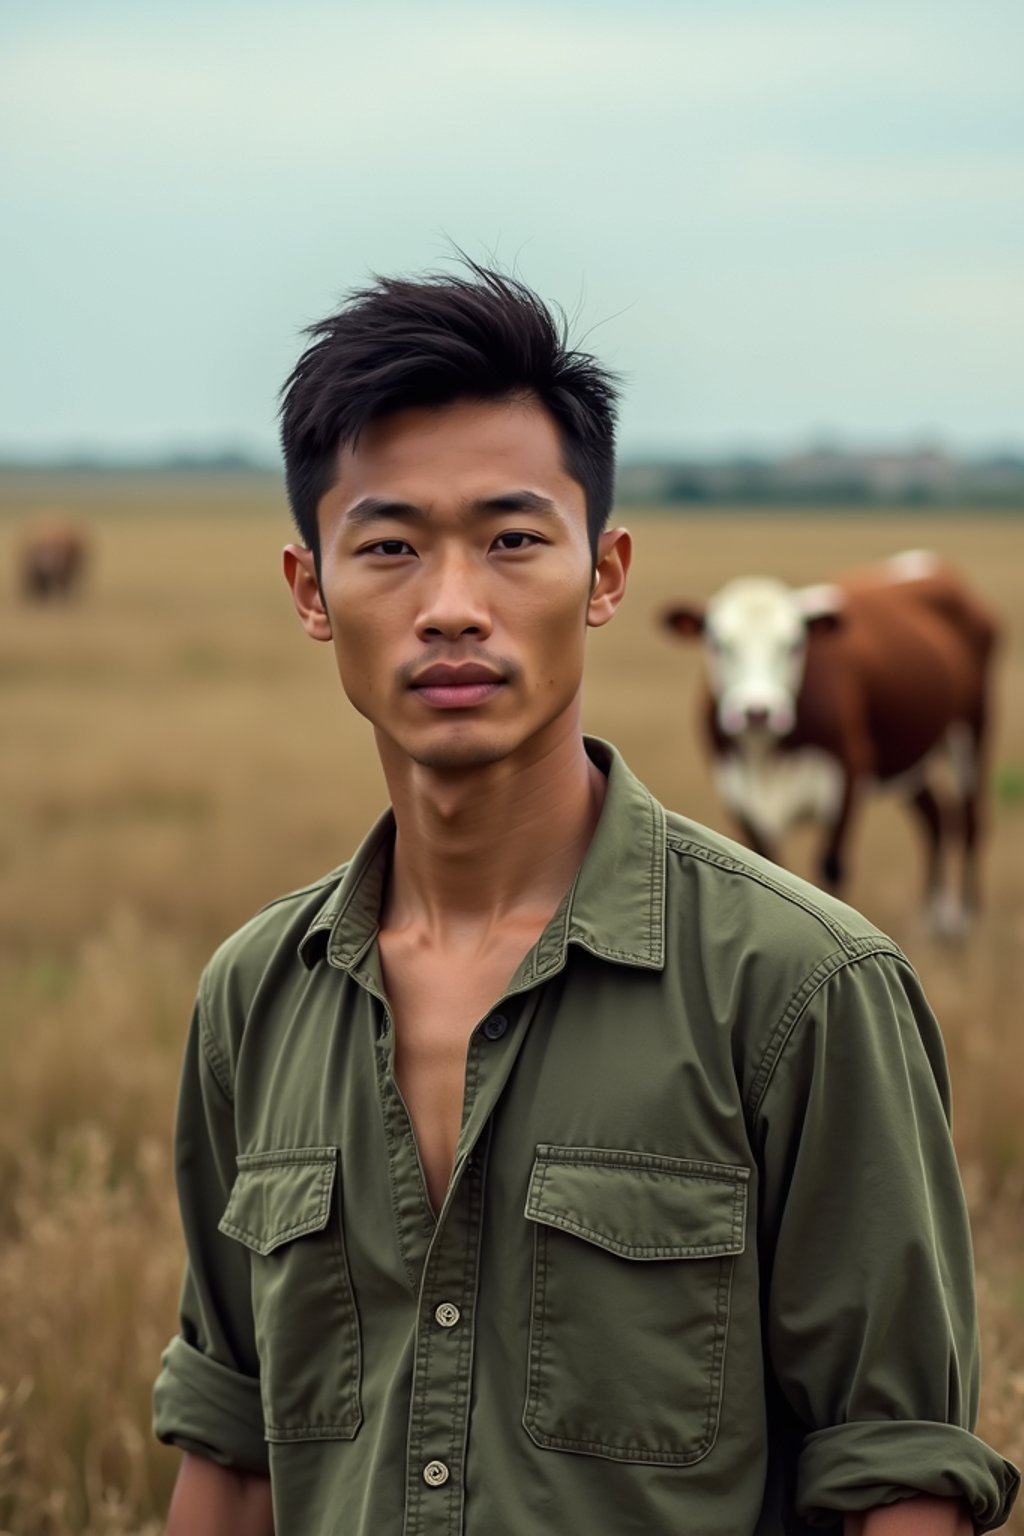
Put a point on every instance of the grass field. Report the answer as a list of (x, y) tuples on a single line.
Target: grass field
[(175, 752)]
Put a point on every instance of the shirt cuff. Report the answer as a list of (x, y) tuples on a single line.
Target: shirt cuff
[(203, 1406), (853, 1467)]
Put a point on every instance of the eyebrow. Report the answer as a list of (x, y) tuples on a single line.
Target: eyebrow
[(374, 509)]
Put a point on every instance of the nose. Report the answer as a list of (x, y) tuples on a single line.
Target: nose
[(757, 715), (454, 603)]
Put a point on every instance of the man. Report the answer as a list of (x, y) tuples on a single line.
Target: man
[(555, 1165)]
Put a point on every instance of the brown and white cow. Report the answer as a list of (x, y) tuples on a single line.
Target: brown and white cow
[(52, 559), (817, 693)]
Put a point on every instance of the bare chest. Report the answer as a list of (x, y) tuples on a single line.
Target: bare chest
[(436, 1004)]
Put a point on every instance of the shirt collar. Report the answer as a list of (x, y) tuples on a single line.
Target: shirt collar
[(615, 907)]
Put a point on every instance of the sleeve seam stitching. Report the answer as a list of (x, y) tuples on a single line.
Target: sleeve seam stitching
[(212, 1052), (840, 934), (780, 1036)]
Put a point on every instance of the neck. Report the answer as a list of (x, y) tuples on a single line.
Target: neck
[(475, 847)]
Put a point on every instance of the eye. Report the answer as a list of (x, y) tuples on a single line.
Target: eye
[(388, 547), (514, 540)]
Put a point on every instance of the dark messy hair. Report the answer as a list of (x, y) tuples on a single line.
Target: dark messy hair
[(429, 341)]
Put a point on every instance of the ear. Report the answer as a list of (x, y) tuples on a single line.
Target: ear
[(820, 607), (300, 574), (614, 553), (685, 620)]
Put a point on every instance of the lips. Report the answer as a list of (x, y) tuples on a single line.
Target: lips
[(448, 685), (448, 674)]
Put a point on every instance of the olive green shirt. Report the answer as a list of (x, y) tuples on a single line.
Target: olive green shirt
[(703, 1265)]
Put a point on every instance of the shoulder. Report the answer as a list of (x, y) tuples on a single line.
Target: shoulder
[(763, 941), (271, 936), (265, 951), (723, 876)]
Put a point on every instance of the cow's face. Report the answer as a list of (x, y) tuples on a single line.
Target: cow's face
[(755, 641)]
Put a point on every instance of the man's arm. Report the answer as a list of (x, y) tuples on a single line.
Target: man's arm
[(207, 1396), (871, 1323), (211, 1500), (912, 1517)]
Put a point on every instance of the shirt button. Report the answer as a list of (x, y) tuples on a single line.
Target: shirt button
[(435, 1474), (495, 1026), (447, 1314)]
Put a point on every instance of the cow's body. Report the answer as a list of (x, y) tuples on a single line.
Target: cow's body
[(52, 560), (887, 671)]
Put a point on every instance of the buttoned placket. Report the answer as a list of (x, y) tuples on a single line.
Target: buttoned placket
[(442, 1257), (448, 1294)]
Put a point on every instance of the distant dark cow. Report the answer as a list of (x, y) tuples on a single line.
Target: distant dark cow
[(52, 561), (817, 693)]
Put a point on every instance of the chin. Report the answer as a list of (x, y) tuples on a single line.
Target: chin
[(459, 752)]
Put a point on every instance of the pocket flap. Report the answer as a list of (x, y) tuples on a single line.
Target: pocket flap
[(278, 1196), (638, 1205)]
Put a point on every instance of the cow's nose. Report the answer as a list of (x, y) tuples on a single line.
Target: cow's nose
[(757, 715)]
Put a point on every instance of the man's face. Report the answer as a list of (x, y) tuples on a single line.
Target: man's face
[(457, 580)]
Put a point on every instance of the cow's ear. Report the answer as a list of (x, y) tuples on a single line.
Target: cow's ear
[(821, 608), (685, 619)]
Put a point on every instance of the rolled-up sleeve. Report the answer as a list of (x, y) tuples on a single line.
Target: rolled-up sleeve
[(207, 1395), (871, 1322)]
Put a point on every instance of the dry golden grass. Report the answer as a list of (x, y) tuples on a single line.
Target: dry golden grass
[(175, 753)]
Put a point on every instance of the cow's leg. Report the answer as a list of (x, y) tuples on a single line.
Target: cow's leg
[(737, 781), (968, 752), (755, 840), (832, 861), (943, 914)]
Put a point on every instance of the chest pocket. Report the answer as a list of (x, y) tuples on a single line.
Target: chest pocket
[(284, 1209), (633, 1261)]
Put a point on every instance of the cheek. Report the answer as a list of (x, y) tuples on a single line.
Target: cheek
[(558, 605), (554, 631), (360, 647)]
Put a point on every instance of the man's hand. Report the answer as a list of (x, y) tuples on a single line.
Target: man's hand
[(912, 1517), (210, 1500)]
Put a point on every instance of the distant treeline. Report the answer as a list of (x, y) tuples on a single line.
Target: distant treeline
[(828, 477), (228, 462), (926, 478)]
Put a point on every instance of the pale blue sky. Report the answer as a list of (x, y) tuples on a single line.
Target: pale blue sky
[(777, 219)]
